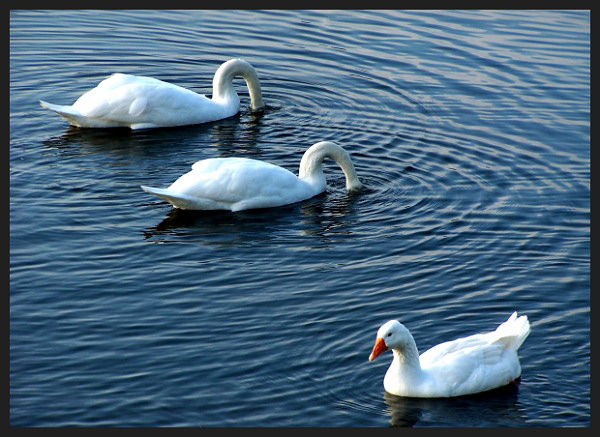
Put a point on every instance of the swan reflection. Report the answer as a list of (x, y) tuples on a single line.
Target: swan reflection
[(234, 135), (322, 216)]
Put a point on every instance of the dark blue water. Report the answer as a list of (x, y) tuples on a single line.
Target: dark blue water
[(471, 132)]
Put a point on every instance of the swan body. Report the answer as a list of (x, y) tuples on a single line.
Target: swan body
[(468, 365), (238, 184), (138, 102)]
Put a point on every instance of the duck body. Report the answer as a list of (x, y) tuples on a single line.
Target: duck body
[(238, 184), (468, 365), (139, 102)]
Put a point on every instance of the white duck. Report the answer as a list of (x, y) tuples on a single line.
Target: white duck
[(138, 102), (464, 366), (237, 184)]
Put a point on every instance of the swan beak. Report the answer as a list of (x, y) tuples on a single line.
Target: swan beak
[(378, 348)]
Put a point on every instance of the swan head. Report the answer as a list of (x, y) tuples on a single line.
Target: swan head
[(391, 335)]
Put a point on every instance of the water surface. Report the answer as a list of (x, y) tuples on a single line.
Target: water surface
[(471, 133)]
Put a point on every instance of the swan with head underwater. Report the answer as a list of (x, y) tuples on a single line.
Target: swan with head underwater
[(139, 102), (238, 184), (468, 365)]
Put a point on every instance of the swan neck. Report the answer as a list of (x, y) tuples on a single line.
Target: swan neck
[(223, 82), (311, 169)]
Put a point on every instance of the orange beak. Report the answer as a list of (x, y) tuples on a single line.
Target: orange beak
[(378, 348)]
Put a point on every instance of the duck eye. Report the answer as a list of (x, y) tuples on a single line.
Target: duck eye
[(389, 334)]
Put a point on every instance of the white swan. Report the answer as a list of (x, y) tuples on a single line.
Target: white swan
[(464, 366), (138, 102), (240, 183)]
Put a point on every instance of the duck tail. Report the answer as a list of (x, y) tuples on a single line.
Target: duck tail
[(514, 331)]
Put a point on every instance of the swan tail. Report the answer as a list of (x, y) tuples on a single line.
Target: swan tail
[(183, 201), (69, 113), (514, 331), (174, 199), (65, 111)]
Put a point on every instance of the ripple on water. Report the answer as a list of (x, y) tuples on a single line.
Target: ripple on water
[(470, 132)]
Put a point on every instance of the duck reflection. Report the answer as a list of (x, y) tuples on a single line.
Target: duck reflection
[(497, 407)]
